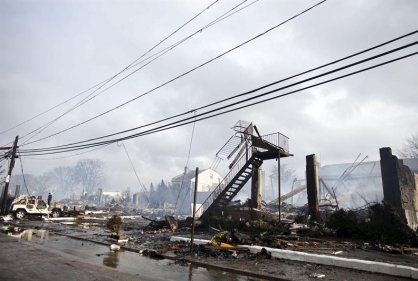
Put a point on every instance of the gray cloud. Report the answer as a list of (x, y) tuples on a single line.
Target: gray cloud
[(51, 50)]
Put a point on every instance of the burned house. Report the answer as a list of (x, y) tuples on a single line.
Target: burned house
[(356, 184), (390, 180)]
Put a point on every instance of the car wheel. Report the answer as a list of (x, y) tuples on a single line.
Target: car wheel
[(20, 214), (56, 213)]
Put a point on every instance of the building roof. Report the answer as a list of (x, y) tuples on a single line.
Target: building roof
[(189, 175), (365, 169), (112, 193)]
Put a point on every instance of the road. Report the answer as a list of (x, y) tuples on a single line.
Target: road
[(21, 261)]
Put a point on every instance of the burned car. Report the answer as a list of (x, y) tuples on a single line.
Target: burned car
[(29, 205), (61, 209)]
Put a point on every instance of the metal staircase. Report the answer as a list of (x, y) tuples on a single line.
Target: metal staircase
[(237, 177), (250, 152)]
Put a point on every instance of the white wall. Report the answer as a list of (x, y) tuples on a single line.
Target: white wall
[(208, 179)]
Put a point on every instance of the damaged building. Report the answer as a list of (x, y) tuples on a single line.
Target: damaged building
[(391, 180), (356, 184)]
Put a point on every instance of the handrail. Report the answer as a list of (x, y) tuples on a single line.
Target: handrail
[(277, 139), (226, 180), (229, 147)]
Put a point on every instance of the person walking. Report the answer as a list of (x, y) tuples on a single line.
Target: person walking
[(49, 198)]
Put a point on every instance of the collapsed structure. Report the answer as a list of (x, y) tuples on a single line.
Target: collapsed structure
[(398, 181)]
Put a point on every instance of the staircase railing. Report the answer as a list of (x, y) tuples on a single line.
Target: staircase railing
[(277, 139), (226, 180)]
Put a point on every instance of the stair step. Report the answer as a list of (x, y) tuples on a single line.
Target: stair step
[(235, 185)]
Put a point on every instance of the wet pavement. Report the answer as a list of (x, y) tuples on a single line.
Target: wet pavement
[(55, 252), (191, 267), (21, 261)]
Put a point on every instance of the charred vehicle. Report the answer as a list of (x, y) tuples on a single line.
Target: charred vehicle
[(29, 205), (60, 209)]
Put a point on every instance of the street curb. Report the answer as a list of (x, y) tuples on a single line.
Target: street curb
[(363, 265)]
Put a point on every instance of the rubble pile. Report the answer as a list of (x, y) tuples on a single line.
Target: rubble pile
[(382, 225)]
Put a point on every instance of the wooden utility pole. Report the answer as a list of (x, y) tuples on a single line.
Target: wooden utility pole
[(255, 201), (312, 185), (9, 174), (194, 208)]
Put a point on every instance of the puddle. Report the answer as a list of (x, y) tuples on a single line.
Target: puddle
[(125, 261), (39, 235)]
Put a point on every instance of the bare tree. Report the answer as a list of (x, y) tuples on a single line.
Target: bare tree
[(89, 173), (410, 149), (62, 180)]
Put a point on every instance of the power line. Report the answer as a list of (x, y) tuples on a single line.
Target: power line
[(159, 54), (220, 18), (160, 128), (141, 185), (69, 156), (262, 87), (269, 99), (72, 145), (23, 174), (185, 121), (48, 110), (185, 169), (183, 74), (104, 82), (156, 56)]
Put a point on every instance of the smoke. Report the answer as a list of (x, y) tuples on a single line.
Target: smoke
[(353, 189)]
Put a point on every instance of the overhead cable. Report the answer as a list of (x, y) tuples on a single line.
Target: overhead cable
[(186, 166), (245, 100), (212, 112), (104, 82), (252, 91), (141, 185), (181, 75), (147, 61)]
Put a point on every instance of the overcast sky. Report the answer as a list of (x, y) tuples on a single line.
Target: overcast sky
[(53, 50)]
